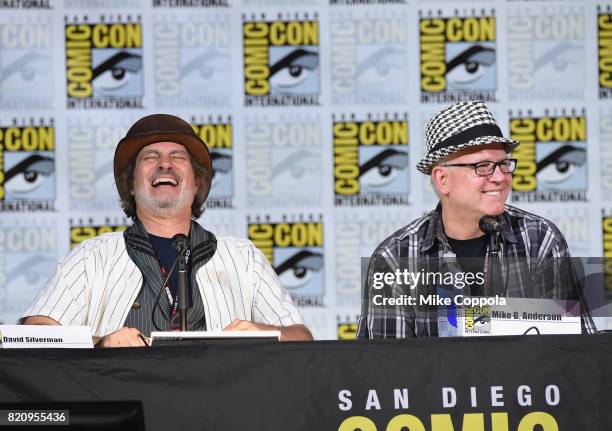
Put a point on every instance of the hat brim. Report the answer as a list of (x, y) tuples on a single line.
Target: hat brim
[(427, 162), (128, 148)]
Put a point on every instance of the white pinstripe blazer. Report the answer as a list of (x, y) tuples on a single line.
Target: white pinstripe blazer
[(97, 283)]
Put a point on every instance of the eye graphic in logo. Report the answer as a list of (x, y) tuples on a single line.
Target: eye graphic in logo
[(382, 170), (221, 167), (381, 66), (481, 320), (207, 69), (471, 68), (561, 165), (297, 270), (294, 72), (24, 72), (117, 74), (559, 62), (298, 168), (28, 175)]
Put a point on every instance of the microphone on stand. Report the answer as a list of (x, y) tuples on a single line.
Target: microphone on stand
[(180, 243), (491, 226)]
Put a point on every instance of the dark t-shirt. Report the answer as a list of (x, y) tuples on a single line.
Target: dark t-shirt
[(167, 254), (470, 255)]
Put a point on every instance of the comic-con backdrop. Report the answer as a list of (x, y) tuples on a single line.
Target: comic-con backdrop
[(313, 111)]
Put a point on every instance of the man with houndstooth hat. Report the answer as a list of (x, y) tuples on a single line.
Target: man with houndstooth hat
[(469, 161)]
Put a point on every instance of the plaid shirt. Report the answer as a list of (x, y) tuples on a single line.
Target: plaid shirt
[(535, 263)]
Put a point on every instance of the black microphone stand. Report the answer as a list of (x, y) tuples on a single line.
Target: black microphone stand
[(182, 287), (494, 282), (493, 279)]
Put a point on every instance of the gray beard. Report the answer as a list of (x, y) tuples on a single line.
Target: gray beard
[(163, 207)]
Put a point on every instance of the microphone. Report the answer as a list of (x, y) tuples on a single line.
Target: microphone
[(490, 225), (180, 243)]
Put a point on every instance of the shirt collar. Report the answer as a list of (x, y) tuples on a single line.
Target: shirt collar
[(507, 232), (435, 230)]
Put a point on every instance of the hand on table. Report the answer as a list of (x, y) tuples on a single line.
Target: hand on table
[(124, 337)]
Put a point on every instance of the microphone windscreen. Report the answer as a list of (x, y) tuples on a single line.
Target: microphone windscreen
[(489, 224), (180, 242)]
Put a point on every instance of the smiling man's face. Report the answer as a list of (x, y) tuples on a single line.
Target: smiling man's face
[(164, 182), (473, 195)]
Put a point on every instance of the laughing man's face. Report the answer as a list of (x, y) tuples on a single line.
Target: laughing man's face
[(164, 182)]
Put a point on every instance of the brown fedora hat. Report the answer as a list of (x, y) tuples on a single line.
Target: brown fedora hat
[(159, 128)]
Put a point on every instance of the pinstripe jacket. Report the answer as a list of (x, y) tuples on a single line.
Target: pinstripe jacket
[(97, 283), (535, 263)]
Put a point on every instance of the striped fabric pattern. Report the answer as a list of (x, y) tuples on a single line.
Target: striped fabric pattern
[(203, 246), (97, 283), (528, 244)]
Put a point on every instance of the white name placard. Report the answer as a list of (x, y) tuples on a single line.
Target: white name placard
[(42, 336), (511, 316)]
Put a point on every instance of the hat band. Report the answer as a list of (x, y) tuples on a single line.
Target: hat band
[(466, 135)]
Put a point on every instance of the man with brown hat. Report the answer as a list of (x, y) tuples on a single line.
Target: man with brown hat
[(115, 282), (471, 231)]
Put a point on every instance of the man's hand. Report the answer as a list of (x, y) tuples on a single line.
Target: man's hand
[(246, 325), (124, 337), (288, 333)]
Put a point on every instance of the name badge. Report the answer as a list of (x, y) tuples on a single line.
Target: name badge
[(42, 336)]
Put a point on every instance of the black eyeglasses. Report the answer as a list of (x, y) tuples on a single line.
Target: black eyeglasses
[(487, 167)]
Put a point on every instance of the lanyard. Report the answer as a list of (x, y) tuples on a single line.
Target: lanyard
[(173, 300)]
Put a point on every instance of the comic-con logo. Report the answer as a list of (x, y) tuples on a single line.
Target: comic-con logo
[(284, 161), (551, 159), (218, 137), (26, 65), (81, 231), (371, 160), (104, 63), (355, 240), (369, 60), (91, 145), (546, 56), (295, 250), (458, 58), (604, 39), (27, 260), (192, 61), (27, 166), (477, 320), (281, 61), (607, 253)]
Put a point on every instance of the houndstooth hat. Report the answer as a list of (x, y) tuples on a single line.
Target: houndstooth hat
[(462, 125)]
